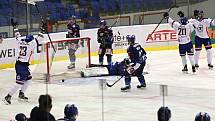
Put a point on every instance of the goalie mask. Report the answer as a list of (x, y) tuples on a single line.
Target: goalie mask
[(70, 111), (164, 114), (29, 38), (131, 39), (202, 116)]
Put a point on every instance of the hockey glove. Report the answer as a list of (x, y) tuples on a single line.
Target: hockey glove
[(180, 13), (44, 27), (14, 23), (132, 68), (166, 15)]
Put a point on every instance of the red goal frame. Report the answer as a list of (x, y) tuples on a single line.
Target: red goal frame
[(65, 40)]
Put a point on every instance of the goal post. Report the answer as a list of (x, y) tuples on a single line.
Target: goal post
[(53, 65)]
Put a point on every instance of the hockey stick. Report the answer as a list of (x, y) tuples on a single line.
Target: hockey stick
[(43, 22), (161, 21), (110, 85)]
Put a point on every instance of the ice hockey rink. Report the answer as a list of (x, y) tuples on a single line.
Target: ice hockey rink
[(187, 93)]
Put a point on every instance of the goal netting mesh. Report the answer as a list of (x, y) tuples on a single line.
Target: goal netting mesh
[(53, 65)]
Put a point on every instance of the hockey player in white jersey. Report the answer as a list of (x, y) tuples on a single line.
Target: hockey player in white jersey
[(25, 49), (201, 36), (184, 30)]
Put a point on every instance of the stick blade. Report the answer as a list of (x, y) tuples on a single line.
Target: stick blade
[(109, 85)]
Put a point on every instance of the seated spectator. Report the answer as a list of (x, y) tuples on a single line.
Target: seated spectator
[(164, 114), (42, 113), (20, 117), (202, 116), (70, 113)]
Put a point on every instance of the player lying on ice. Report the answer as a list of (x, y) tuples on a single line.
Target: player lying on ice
[(128, 67)]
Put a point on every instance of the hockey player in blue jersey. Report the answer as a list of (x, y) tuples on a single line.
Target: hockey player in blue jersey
[(137, 57), (73, 32), (70, 113), (105, 38)]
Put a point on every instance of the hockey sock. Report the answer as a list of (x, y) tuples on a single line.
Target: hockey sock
[(127, 80), (25, 86), (184, 60), (209, 56), (141, 79), (14, 89), (196, 56), (109, 59), (72, 55), (191, 58), (101, 58)]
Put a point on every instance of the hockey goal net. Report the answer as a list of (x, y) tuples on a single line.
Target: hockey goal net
[(53, 65)]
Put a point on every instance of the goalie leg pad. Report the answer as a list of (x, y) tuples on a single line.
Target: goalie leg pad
[(72, 56)]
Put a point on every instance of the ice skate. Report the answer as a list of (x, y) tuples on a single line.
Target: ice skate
[(142, 86), (7, 99), (22, 96), (194, 69), (126, 88), (71, 66), (185, 70), (210, 66), (197, 66)]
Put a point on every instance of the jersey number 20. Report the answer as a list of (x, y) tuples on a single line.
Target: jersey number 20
[(182, 31), (23, 50)]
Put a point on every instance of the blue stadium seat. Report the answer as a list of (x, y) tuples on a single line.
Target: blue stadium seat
[(83, 2), (3, 21)]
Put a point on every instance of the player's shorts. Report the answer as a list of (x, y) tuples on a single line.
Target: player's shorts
[(22, 72), (186, 48), (199, 41), (105, 49)]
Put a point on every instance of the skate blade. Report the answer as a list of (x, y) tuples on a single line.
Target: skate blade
[(142, 88), (23, 100), (210, 68), (5, 102), (185, 72), (126, 90)]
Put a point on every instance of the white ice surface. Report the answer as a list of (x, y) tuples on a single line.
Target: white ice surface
[(187, 93)]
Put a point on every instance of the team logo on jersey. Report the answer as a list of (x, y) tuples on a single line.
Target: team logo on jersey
[(200, 28), (162, 36)]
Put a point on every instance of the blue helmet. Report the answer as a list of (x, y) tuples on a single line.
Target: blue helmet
[(164, 114), (20, 117), (202, 116), (131, 38), (70, 111), (184, 20), (103, 22), (29, 38)]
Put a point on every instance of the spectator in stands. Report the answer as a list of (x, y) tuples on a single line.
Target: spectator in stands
[(164, 114), (202, 116), (42, 113), (20, 117), (70, 113)]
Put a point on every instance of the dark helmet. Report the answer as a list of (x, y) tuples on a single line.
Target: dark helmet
[(29, 38), (202, 116), (196, 13), (184, 20), (131, 38), (20, 117), (164, 114), (103, 22), (70, 111)]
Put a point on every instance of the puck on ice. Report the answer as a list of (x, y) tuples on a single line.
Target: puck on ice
[(62, 80)]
